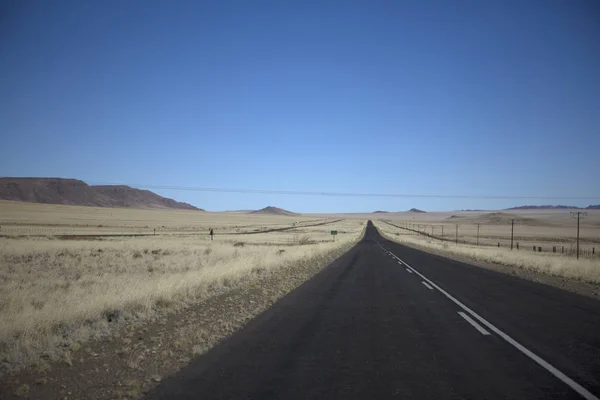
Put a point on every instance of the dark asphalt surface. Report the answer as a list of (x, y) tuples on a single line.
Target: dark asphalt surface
[(366, 328)]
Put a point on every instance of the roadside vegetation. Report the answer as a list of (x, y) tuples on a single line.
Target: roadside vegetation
[(587, 270), (56, 294)]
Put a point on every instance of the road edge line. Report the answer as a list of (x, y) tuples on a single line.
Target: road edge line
[(475, 324), (583, 392)]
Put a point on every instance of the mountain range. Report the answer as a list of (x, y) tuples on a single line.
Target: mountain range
[(558, 207), (76, 192)]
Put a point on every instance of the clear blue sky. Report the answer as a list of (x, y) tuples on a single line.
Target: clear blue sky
[(422, 97)]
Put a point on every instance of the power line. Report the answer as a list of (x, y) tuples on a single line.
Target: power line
[(345, 194)]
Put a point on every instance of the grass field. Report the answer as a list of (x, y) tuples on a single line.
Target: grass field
[(18, 218), (58, 292), (587, 270)]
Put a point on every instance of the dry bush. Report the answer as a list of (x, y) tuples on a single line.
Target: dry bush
[(305, 239)]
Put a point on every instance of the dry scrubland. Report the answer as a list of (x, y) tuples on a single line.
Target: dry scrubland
[(51, 219), (553, 264), (56, 294)]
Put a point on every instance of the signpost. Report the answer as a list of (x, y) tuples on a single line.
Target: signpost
[(334, 234)]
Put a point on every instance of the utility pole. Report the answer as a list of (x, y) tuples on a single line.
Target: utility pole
[(578, 213), (512, 232), (478, 234), (456, 233)]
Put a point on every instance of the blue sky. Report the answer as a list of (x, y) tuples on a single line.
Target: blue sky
[(446, 98)]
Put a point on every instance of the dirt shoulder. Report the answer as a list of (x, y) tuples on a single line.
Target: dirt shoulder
[(579, 287), (131, 362)]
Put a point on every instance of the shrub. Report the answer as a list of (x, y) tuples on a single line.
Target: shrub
[(304, 240)]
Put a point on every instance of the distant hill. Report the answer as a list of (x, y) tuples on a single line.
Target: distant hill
[(380, 212), (559, 207), (79, 193), (500, 218), (274, 211), (416, 210), (546, 207)]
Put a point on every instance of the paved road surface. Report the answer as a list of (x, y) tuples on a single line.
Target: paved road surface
[(413, 327)]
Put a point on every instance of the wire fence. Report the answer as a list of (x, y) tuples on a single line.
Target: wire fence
[(124, 231), (453, 236), (33, 231)]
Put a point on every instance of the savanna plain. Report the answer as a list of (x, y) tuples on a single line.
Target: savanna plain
[(69, 274), (78, 285)]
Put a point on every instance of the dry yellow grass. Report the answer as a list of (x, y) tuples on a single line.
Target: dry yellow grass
[(548, 263), (18, 218), (55, 293)]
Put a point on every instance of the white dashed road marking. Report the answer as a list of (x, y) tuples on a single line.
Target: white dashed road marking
[(475, 324), (583, 392)]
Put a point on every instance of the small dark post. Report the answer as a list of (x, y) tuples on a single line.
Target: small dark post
[(517, 245), (578, 213), (456, 233), (593, 250), (539, 249), (442, 232), (533, 248), (554, 249), (512, 233), (478, 234), (563, 249), (498, 244), (155, 231)]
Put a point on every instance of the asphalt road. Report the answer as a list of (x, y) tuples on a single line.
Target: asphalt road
[(388, 321)]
